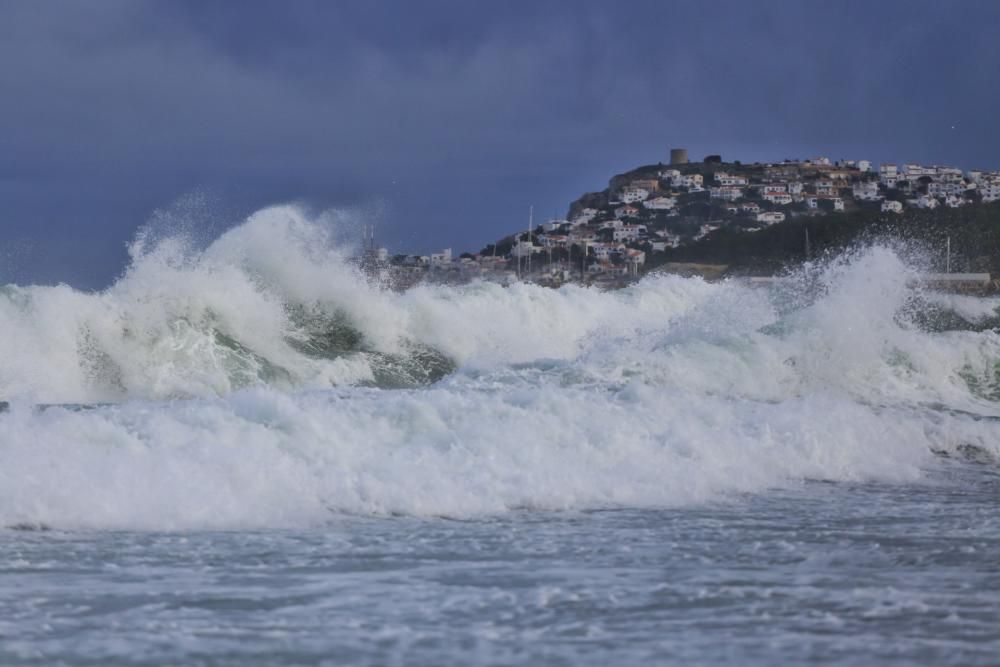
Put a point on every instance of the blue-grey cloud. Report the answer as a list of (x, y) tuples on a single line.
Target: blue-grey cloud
[(450, 116)]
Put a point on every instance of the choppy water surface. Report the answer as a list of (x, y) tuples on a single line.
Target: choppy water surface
[(246, 454), (843, 574)]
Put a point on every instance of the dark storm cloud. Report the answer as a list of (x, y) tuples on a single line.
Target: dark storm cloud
[(451, 116)]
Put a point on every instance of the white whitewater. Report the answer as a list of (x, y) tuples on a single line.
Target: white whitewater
[(246, 382)]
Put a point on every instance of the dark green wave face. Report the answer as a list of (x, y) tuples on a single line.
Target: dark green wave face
[(333, 336), (312, 336)]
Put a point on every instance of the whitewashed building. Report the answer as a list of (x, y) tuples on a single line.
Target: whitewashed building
[(888, 175), (690, 181), (441, 259), (828, 188), (660, 203), (866, 191), (726, 179), (771, 217), (727, 193), (889, 206), (633, 195), (776, 196), (627, 211)]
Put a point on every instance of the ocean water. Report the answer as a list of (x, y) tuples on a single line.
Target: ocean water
[(243, 453)]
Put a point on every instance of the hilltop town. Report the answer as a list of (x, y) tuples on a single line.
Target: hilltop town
[(649, 214)]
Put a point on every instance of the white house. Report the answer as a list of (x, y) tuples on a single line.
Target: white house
[(924, 201), (633, 195), (666, 240), (553, 240), (554, 225), (725, 179), (605, 251), (635, 257), (524, 249), (770, 217), (889, 206), (776, 196), (751, 207), (582, 237), (727, 193), (866, 191), (626, 211), (660, 203), (629, 233), (826, 188), (690, 181), (585, 216), (864, 165), (990, 190), (888, 174), (440, 259)]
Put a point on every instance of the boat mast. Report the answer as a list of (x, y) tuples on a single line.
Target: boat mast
[(531, 216)]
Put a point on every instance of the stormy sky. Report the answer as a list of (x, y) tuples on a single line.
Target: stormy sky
[(442, 121)]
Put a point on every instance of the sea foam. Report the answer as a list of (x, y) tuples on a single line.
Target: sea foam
[(246, 388)]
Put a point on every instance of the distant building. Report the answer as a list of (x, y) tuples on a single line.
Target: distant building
[(627, 211), (690, 181), (889, 206), (770, 217), (888, 174), (660, 203), (629, 233), (727, 193), (866, 191), (725, 179), (990, 190), (924, 201), (548, 241), (441, 259), (524, 249), (828, 188), (633, 195), (776, 196), (649, 184)]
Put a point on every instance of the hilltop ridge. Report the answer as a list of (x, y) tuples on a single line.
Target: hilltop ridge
[(752, 218)]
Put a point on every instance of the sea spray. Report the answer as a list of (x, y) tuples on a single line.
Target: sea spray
[(250, 387)]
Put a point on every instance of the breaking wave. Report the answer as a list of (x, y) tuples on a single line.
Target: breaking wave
[(260, 381)]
